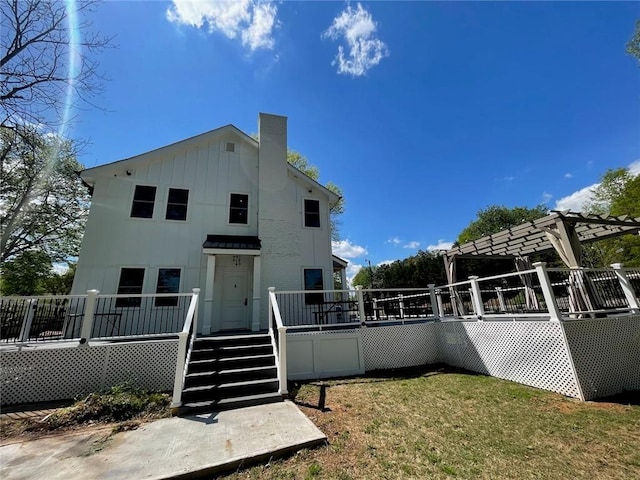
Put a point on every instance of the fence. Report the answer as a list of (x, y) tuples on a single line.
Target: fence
[(539, 293), (91, 316)]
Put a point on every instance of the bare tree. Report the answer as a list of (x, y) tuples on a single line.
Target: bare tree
[(47, 50)]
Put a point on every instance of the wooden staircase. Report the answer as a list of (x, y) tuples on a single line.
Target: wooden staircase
[(231, 371)]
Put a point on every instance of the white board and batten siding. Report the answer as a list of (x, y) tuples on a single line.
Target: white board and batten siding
[(205, 167)]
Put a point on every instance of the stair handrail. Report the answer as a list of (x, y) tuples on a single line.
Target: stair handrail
[(279, 340), (186, 338)]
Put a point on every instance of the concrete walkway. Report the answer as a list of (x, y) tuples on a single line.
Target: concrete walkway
[(178, 447)]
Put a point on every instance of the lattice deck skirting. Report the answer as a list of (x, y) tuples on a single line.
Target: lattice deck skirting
[(584, 359), (44, 374)]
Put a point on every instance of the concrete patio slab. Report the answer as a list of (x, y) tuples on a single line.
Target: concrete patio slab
[(179, 447)]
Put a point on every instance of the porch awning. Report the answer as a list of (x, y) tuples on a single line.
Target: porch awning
[(232, 242)]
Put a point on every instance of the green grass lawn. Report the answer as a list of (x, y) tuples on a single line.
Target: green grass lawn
[(443, 424)]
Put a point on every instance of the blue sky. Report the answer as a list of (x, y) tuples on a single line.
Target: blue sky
[(423, 112)]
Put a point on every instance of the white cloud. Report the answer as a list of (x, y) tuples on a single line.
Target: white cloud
[(577, 200), (251, 21), (357, 28), (352, 271), (568, 175), (441, 245), (394, 240), (413, 245), (345, 249), (385, 262), (546, 196)]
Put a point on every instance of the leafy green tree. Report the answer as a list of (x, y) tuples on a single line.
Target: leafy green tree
[(497, 218), (364, 277), (633, 47), (43, 204), (26, 274), (618, 194)]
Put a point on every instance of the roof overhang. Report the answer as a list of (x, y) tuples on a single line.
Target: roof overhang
[(339, 263), (231, 245)]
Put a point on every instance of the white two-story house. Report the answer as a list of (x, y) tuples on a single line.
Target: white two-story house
[(220, 211)]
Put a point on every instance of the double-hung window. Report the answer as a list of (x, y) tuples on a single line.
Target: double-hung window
[(168, 282), (177, 203), (238, 208), (144, 199), (131, 280), (311, 213), (313, 281)]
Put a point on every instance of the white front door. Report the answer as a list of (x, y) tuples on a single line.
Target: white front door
[(235, 300)]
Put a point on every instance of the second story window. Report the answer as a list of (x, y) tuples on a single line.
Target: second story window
[(238, 208), (143, 201), (312, 213), (177, 203)]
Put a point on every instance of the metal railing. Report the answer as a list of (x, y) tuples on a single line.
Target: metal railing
[(40, 319), (539, 293), (91, 316)]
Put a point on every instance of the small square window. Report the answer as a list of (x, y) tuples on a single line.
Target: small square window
[(131, 280), (238, 208), (168, 282), (143, 200), (177, 204), (313, 281), (312, 213), (231, 147)]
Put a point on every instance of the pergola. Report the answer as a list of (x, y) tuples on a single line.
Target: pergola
[(564, 232)]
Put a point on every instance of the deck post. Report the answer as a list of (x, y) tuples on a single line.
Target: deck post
[(434, 301), (547, 291), (360, 304), (401, 301), (500, 293), (627, 288), (476, 296), (28, 319), (87, 321)]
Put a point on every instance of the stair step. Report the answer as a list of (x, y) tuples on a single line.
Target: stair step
[(249, 361), (212, 377), (231, 351), (228, 404), (230, 390), (230, 340)]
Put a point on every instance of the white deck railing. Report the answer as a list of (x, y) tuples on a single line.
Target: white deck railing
[(536, 294), (278, 333), (92, 317)]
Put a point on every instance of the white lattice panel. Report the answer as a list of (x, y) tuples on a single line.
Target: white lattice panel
[(532, 353), (399, 346), (606, 354), (45, 374)]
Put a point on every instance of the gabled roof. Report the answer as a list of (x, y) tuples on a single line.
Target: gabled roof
[(130, 162), (532, 237), (333, 198)]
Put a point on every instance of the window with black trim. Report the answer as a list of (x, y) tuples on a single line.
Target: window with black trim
[(168, 282), (177, 202), (313, 281), (238, 208), (312, 213), (131, 280), (143, 200)]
